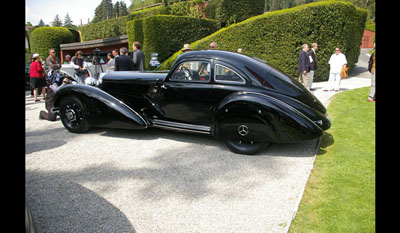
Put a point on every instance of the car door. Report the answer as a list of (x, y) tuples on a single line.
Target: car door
[(227, 80), (185, 95)]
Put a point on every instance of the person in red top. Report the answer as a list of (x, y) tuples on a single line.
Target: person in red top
[(36, 74)]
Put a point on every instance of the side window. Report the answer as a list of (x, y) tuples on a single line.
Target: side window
[(224, 74), (196, 71)]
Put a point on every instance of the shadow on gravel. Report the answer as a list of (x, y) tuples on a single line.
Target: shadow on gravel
[(275, 149), (45, 139), (61, 205)]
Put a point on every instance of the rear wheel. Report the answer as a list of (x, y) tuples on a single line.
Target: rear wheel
[(245, 147), (72, 114), (243, 135)]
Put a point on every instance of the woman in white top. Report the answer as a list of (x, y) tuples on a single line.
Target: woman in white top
[(337, 61)]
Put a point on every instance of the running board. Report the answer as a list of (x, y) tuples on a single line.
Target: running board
[(181, 126)]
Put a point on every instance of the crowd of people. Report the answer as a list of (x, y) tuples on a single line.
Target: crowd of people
[(307, 64)]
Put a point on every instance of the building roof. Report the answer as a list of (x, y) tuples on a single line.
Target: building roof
[(95, 43)]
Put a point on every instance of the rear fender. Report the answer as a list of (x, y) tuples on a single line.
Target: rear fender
[(284, 123), (103, 109)]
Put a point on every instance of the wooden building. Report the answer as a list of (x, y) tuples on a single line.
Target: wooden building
[(105, 45)]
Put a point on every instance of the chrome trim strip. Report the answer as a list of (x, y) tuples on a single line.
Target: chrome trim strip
[(181, 126)]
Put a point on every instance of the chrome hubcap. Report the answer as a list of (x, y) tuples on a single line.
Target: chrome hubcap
[(243, 130), (70, 115)]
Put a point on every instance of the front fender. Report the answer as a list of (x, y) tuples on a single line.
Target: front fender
[(103, 109), (288, 124)]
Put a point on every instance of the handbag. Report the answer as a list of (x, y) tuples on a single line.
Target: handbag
[(344, 72)]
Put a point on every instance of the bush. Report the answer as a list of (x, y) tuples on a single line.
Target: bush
[(233, 11), (104, 29), (117, 26), (44, 38), (165, 34), (159, 10), (134, 30), (276, 37), (186, 8)]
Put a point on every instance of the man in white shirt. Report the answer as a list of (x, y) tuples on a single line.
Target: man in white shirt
[(337, 61)]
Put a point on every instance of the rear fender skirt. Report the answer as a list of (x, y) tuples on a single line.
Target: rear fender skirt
[(104, 109), (289, 124)]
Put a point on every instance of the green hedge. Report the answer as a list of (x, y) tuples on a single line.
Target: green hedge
[(44, 38), (186, 8), (117, 26), (276, 37), (233, 11), (165, 34), (104, 29)]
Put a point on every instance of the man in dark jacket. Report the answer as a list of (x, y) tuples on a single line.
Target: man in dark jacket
[(123, 62), (313, 63), (304, 66), (138, 57)]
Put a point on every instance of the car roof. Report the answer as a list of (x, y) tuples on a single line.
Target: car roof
[(237, 59), (226, 55)]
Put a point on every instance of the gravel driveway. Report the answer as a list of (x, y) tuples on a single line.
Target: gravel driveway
[(111, 180)]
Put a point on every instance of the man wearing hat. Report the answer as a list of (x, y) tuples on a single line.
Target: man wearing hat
[(186, 48)]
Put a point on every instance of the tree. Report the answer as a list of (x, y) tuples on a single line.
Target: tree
[(68, 21), (123, 10), (116, 10), (41, 23), (56, 22), (103, 11)]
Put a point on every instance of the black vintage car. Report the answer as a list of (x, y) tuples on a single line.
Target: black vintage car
[(238, 99)]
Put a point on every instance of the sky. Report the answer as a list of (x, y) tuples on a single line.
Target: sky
[(76, 9)]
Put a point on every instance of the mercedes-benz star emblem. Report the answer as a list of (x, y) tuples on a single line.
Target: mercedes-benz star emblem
[(243, 130)]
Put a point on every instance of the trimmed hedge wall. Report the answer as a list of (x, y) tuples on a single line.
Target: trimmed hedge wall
[(44, 38), (165, 34), (117, 26), (104, 29), (276, 37), (233, 11)]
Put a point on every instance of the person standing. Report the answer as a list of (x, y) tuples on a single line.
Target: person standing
[(53, 62), (110, 63), (36, 76), (313, 64), (123, 62), (337, 62), (303, 66), (138, 58), (67, 59), (371, 69), (213, 45), (186, 48)]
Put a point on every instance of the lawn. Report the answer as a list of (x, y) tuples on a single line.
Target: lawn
[(340, 193)]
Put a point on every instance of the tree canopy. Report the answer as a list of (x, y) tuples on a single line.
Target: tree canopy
[(106, 10)]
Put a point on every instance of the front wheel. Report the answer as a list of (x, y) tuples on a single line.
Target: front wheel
[(72, 114)]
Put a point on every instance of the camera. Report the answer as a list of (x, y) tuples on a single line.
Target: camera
[(96, 52)]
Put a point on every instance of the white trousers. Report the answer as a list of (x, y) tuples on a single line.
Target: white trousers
[(333, 82)]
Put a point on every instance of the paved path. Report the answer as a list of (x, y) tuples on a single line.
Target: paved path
[(111, 180)]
